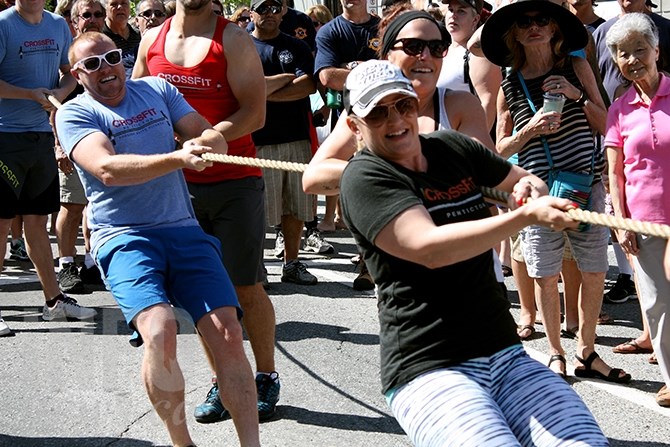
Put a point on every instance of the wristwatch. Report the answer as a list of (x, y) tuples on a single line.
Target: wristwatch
[(581, 101)]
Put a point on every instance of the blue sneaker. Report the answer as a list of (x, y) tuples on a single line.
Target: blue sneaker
[(211, 410), (268, 387)]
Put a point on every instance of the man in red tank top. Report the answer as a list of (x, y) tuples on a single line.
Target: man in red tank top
[(214, 64)]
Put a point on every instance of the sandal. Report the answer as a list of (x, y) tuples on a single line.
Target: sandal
[(631, 347), (570, 333), (526, 327), (558, 358), (652, 359), (588, 372), (605, 318), (507, 270)]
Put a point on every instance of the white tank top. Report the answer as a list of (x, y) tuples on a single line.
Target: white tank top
[(451, 75), (443, 118)]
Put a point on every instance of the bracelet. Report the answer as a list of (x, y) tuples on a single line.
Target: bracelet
[(581, 101)]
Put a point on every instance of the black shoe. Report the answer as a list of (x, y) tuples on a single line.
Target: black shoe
[(364, 280), (69, 280), (622, 291), (267, 387), (91, 275), (211, 410)]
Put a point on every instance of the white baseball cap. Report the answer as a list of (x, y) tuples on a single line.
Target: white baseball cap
[(370, 82)]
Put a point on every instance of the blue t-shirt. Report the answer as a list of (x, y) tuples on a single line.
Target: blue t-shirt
[(285, 121), (340, 41), (30, 57), (141, 124), (296, 24)]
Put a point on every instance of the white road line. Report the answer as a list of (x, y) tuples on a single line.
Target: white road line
[(621, 391)]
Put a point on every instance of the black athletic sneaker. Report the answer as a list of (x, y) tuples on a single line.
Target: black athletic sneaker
[(622, 291), (90, 275), (69, 280)]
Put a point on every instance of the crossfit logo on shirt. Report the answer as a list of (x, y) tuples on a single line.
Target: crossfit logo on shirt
[(39, 43), (186, 81), (285, 57), (134, 119), (30, 47), (465, 186)]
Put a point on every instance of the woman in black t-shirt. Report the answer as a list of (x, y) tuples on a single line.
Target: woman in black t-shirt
[(415, 208)]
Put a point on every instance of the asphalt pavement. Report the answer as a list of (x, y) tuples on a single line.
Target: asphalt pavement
[(71, 384)]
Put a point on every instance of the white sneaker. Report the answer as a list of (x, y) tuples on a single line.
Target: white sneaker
[(67, 308), (316, 244), (4, 329)]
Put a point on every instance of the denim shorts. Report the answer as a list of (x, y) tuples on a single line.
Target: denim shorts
[(181, 266), (543, 249)]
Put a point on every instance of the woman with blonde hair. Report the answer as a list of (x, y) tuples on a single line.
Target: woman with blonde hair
[(320, 15), (241, 16)]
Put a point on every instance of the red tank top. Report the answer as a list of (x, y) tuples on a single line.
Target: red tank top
[(205, 87)]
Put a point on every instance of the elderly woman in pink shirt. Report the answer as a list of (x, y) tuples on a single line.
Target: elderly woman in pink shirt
[(638, 151)]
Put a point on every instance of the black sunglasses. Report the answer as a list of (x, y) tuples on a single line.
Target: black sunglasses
[(93, 63), (414, 47), (263, 9), (380, 114), (152, 12), (87, 15), (316, 24), (244, 19), (525, 22)]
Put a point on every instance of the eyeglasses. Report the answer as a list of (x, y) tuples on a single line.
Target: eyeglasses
[(525, 22), (87, 15), (245, 18), (380, 114), (152, 12), (263, 9), (415, 47), (93, 63)]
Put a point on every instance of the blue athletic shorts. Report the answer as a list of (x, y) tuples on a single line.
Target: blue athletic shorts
[(179, 266)]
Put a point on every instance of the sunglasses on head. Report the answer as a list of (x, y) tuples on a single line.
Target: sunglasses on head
[(525, 22), (380, 114), (93, 63), (263, 9), (152, 12), (87, 15), (415, 47)]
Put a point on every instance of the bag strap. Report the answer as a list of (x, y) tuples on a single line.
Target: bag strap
[(542, 137), (534, 110), (466, 72)]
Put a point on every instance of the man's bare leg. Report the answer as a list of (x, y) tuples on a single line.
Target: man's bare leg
[(222, 333), (161, 374), (4, 232), (39, 251)]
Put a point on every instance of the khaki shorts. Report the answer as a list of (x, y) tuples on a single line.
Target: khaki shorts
[(71, 189), (283, 189)]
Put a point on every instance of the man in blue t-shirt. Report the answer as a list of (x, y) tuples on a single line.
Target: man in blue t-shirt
[(287, 65), (344, 42), (33, 66), (146, 240)]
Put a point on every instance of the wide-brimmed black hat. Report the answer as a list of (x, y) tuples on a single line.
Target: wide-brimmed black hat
[(495, 49)]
